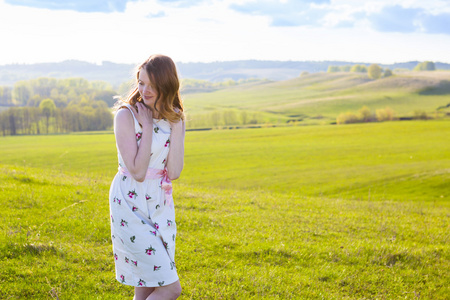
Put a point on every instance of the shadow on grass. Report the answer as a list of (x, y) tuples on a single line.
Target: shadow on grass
[(443, 88)]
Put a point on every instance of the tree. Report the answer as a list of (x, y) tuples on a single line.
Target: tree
[(5, 95), (425, 66), (386, 114), (21, 93), (374, 71), (387, 73), (365, 115), (358, 68), (47, 107), (347, 118), (333, 69)]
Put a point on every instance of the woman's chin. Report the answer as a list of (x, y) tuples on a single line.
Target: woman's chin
[(149, 103)]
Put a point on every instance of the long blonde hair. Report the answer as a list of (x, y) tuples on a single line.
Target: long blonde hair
[(163, 73)]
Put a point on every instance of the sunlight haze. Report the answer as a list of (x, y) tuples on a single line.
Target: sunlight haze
[(379, 31)]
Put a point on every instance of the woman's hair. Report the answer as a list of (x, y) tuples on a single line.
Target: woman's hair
[(162, 72)]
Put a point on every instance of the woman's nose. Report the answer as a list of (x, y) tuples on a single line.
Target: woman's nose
[(148, 90)]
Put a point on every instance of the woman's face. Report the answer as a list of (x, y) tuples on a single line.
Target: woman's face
[(147, 89)]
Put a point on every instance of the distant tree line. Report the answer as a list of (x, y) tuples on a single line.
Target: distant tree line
[(61, 91), (365, 115), (374, 71), (48, 105), (228, 117), (85, 115)]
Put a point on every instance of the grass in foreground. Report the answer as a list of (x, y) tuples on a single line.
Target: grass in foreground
[(231, 244), (255, 219)]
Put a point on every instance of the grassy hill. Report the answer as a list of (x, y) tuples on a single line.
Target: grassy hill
[(319, 98)]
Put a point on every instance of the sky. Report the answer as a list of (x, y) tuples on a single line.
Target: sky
[(128, 31)]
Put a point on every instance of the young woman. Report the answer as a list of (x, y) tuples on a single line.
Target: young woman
[(149, 129)]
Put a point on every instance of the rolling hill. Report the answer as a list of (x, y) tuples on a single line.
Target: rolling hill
[(319, 98)]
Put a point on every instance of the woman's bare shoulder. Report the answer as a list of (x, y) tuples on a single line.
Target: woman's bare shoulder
[(123, 115)]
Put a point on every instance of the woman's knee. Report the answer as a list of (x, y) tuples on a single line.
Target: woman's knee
[(175, 290), (172, 291)]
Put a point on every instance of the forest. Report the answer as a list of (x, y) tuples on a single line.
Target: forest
[(48, 105)]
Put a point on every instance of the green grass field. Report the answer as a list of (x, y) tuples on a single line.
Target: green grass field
[(304, 212)]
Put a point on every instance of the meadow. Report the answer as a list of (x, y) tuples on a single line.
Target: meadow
[(302, 212)]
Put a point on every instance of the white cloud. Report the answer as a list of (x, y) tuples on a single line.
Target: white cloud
[(209, 31)]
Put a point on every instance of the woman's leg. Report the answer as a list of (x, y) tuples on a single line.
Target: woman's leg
[(169, 292), (141, 293)]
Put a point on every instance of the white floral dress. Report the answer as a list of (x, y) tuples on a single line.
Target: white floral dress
[(143, 227)]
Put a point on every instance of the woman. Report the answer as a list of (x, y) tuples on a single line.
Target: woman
[(149, 129)]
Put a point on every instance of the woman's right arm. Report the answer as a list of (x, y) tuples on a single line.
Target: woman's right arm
[(136, 158)]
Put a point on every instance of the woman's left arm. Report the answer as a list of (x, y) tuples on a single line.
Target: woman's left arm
[(175, 160)]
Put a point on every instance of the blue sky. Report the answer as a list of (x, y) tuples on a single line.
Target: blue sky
[(379, 31)]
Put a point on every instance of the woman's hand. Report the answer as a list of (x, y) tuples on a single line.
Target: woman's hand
[(143, 114)]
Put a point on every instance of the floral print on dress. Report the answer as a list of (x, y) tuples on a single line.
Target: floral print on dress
[(156, 129), (117, 200), (156, 268), (150, 250), (133, 238), (123, 223), (147, 197), (132, 194), (127, 260), (161, 283), (134, 262), (167, 143), (134, 208), (169, 223), (138, 136), (141, 282), (122, 278)]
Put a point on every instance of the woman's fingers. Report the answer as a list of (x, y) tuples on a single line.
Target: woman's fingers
[(144, 114)]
